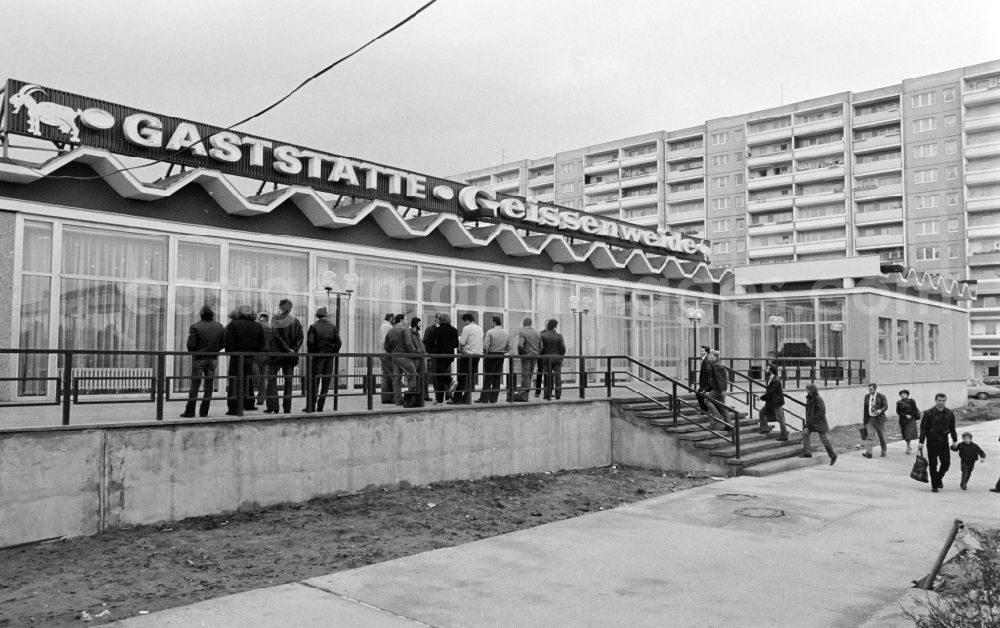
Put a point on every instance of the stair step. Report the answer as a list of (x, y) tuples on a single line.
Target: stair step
[(784, 464), (775, 453), (748, 449), (698, 425), (715, 442)]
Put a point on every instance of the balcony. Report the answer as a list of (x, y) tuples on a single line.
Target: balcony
[(883, 165), (821, 246), (982, 150), (511, 185), (602, 206), (832, 148), (821, 198), (820, 174), (606, 165), (770, 181), (982, 204), (628, 202), (986, 231), (872, 119), (545, 179), (876, 143), (826, 124), (635, 160), (544, 198), (779, 250), (982, 123), (982, 96), (878, 241), (820, 222), (771, 158), (774, 227), (877, 217), (878, 191), (689, 174), (686, 217), (639, 180), (778, 202), (982, 177), (684, 153), (989, 258), (768, 136), (686, 195), (603, 186)]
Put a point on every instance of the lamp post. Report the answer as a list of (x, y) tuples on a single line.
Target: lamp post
[(836, 328), (328, 279), (694, 314), (580, 307), (776, 322)]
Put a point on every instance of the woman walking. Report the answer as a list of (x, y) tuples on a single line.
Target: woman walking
[(816, 422), (906, 409), (774, 403)]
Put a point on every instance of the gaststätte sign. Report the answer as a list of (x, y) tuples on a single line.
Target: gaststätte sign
[(66, 118)]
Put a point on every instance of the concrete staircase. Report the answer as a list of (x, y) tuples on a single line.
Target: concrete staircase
[(760, 454)]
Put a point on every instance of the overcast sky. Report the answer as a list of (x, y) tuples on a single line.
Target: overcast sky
[(470, 83)]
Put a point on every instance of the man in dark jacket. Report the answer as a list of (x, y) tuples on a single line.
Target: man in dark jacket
[(935, 426), (243, 335), (262, 360), (287, 337), (705, 378), (399, 341), (205, 339), (323, 338), (443, 340), (553, 346), (874, 419), (720, 386)]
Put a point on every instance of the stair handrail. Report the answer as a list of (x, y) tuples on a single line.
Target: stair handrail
[(676, 401), (752, 398)]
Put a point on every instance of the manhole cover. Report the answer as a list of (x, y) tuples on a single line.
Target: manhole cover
[(760, 513), (736, 497)]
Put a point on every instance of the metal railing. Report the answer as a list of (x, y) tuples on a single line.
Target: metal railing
[(752, 389), (793, 371)]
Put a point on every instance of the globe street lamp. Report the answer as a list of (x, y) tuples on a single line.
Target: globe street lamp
[(694, 314), (776, 322)]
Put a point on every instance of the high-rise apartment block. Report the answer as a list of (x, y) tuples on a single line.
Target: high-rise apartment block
[(909, 172)]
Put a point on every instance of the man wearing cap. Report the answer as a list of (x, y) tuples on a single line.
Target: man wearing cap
[(243, 336), (287, 336), (553, 348), (399, 342), (205, 339), (323, 338)]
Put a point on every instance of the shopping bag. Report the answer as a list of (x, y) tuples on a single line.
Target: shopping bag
[(919, 471)]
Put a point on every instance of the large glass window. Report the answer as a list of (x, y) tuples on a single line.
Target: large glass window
[(932, 342), (36, 257), (902, 340), (918, 341), (198, 262), (885, 339)]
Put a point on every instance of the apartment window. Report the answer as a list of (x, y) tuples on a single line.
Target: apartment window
[(720, 182), (720, 138), (927, 253), (949, 94), (929, 175), (741, 246), (739, 201), (885, 339), (720, 160), (927, 227), (566, 168), (922, 100), (739, 178), (567, 187), (918, 341), (738, 156), (951, 147), (951, 172), (741, 224), (738, 135), (921, 125), (953, 225), (902, 340), (932, 342), (921, 151), (719, 248), (952, 251), (950, 120), (720, 203), (720, 226), (925, 201), (952, 199)]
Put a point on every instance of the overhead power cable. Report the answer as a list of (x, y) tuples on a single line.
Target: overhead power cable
[(315, 76)]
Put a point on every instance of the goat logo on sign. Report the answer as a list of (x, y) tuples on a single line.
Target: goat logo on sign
[(48, 113)]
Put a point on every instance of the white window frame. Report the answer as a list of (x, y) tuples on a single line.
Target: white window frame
[(925, 99), (923, 125)]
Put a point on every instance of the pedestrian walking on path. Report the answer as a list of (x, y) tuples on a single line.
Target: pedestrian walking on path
[(969, 453), (816, 422), (874, 419), (906, 410), (774, 404), (936, 425)]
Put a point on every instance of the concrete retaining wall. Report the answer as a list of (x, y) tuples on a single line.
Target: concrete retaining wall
[(636, 443), (844, 403), (72, 481)]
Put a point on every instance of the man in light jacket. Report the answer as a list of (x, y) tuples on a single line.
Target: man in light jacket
[(874, 418), (470, 345)]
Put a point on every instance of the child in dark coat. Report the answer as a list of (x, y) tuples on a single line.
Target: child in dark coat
[(968, 453)]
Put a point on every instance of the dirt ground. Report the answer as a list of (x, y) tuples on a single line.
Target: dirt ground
[(124, 572)]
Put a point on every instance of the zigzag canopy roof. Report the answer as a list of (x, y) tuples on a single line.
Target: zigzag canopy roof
[(330, 215)]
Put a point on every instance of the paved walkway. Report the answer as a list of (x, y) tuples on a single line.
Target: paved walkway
[(848, 543)]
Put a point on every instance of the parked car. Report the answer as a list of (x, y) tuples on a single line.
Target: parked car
[(992, 381), (979, 390)]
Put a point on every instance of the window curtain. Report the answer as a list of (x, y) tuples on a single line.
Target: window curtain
[(34, 333), (198, 262), (96, 253), (268, 270), (187, 306), (37, 254)]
